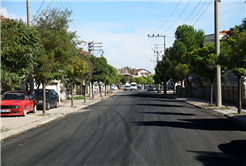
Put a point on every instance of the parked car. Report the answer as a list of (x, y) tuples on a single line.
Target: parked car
[(150, 88), (170, 85), (127, 87), (146, 88), (133, 86), (139, 87), (114, 87), (52, 98), (15, 103)]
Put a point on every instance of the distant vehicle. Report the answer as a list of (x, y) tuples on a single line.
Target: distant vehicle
[(170, 85), (114, 87), (146, 88), (127, 87), (17, 103), (139, 88), (150, 88), (133, 86), (52, 98)]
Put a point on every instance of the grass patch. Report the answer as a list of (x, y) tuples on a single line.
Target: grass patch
[(43, 114), (223, 108), (4, 130), (76, 97), (236, 114)]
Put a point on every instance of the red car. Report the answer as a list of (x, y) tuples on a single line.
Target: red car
[(17, 103)]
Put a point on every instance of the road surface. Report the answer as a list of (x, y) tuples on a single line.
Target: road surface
[(131, 128)]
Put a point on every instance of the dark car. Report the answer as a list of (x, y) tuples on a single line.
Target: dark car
[(52, 98), (150, 88), (139, 87)]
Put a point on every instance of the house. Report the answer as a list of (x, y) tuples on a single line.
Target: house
[(141, 72), (211, 37)]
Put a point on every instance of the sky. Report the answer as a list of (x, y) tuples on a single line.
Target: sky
[(123, 26)]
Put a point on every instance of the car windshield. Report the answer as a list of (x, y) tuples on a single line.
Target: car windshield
[(39, 94), (13, 96), (127, 86)]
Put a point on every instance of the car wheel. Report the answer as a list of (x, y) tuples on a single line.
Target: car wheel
[(57, 103), (34, 109), (48, 106), (24, 111)]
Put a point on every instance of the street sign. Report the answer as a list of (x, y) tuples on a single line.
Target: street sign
[(190, 78)]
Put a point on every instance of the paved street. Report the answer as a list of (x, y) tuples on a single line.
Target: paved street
[(131, 128)]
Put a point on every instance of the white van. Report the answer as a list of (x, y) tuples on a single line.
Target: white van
[(133, 86)]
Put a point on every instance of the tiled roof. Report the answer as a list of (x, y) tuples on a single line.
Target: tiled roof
[(137, 70), (224, 31), (3, 18)]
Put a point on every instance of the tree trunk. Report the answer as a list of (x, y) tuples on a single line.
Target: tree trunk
[(72, 94), (92, 90), (85, 91), (44, 96), (186, 85), (239, 95), (211, 93), (100, 90), (105, 94), (165, 85)]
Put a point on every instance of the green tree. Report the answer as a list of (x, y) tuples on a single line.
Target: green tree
[(78, 68), (233, 57), (111, 78), (59, 47), (100, 72), (88, 75), (20, 45), (204, 62), (187, 39)]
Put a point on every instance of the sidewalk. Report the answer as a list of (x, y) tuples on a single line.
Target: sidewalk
[(11, 126), (228, 110)]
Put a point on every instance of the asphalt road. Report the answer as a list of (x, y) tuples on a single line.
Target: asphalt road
[(131, 128)]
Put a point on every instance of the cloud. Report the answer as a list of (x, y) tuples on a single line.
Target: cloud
[(126, 48), (5, 13)]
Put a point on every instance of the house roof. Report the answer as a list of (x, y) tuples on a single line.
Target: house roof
[(3, 18), (224, 31), (84, 52), (138, 70)]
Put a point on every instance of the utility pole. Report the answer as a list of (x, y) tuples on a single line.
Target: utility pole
[(164, 83), (92, 46), (217, 51), (29, 20)]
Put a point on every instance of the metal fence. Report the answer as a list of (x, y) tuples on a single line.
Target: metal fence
[(229, 93)]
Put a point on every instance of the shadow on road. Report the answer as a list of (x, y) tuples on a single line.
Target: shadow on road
[(233, 153), (198, 124), (168, 113), (160, 105)]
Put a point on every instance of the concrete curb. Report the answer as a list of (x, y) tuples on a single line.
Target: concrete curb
[(15, 132)]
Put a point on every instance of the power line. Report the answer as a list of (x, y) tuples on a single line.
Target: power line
[(74, 26), (199, 11), (38, 10), (78, 22), (203, 12), (192, 11), (177, 18), (169, 17)]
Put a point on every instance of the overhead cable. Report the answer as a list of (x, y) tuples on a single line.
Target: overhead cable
[(169, 17)]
